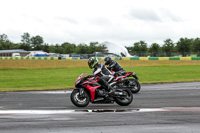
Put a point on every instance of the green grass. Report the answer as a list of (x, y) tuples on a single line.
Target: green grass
[(166, 74), (64, 78), (38, 79)]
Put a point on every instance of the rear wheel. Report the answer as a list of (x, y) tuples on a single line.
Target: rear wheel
[(126, 99), (79, 101)]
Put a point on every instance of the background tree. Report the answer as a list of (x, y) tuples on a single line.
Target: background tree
[(101, 48), (92, 47), (184, 46), (45, 47), (5, 44), (51, 49), (4, 38), (26, 38), (140, 48), (82, 49), (154, 49), (96, 47), (38, 47), (68, 48), (1, 47), (58, 49), (168, 47), (196, 46), (24, 46), (37, 42)]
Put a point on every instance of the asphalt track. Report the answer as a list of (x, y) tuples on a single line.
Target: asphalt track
[(158, 108)]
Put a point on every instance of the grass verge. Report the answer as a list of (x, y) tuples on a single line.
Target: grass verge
[(64, 78), (44, 64)]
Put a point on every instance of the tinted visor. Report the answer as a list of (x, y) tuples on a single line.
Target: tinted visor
[(90, 64), (107, 61)]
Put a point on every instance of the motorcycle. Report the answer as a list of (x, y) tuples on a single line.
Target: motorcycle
[(89, 90), (130, 81)]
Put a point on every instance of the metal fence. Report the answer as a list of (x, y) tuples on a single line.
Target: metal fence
[(87, 56), (140, 54), (167, 54)]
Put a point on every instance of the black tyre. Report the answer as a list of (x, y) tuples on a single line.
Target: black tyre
[(125, 100), (79, 101), (134, 85)]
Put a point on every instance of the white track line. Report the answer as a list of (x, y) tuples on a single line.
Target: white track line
[(50, 92), (24, 112)]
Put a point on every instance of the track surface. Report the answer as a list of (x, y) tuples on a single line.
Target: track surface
[(159, 108)]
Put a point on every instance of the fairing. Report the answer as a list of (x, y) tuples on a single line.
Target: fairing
[(91, 90), (89, 84), (79, 78)]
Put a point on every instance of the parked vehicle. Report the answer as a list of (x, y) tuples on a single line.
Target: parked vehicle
[(130, 81), (77, 55), (37, 54), (89, 90), (40, 55), (15, 54)]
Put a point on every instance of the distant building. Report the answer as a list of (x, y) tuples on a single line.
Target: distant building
[(10, 53)]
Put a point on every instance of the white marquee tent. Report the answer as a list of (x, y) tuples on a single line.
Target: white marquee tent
[(116, 49)]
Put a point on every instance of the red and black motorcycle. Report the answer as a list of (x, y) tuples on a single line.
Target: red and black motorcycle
[(89, 90), (129, 80)]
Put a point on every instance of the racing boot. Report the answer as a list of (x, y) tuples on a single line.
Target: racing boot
[(111, 90), (108, 86)]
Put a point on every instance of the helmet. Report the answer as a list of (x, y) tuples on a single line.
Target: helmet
[(92, 61), (107, 60)]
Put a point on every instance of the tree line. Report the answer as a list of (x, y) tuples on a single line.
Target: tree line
[(184, 46), (31, 43)]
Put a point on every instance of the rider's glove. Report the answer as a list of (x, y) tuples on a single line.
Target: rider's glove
[(115, 74), (89, 76), (109, 68)]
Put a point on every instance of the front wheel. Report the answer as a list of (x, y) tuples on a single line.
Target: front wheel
[(126, 99), (79, 101), (134, 85)]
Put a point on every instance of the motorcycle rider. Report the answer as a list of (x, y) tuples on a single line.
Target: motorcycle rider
[(114, 66), (101, 71)]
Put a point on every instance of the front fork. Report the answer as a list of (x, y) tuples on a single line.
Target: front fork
[(81, 92)]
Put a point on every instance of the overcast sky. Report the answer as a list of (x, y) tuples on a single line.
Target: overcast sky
[(82, 21)]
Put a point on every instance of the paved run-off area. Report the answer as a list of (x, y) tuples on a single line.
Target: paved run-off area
[(160, 108)]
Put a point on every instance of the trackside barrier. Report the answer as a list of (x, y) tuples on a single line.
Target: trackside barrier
[(174, 58), (195, 58), (28, 58), (38, 58), (101, 58), (151, 58), (71, 58), (113, 58), (160, 58)]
